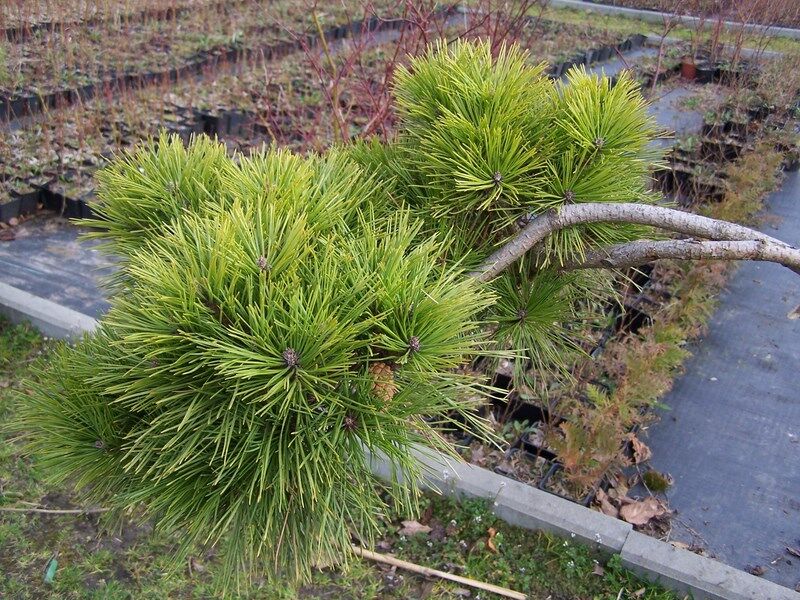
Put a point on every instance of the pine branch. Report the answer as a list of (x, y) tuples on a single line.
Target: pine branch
[(669, 219), (637, 253)]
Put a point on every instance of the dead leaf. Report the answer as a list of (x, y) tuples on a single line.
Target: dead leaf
[(7, 235), (413, 528), (639, 593), (640, 513), (598, 570), (641, 452), (758, 571), (195, 566), (4, 383), (681, 545), (606, 507), (478, 456), (794, 314), (490, 542), (793, 551)]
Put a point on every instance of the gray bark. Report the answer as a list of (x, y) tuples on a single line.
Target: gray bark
[(670, 219), (637, 253)]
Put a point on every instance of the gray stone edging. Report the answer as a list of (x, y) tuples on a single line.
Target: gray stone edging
[(525, 506), (48, 317), (658, 17), (515, 502)]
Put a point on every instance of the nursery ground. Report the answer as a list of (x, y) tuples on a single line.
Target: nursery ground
[(133, 563), (731, 438)]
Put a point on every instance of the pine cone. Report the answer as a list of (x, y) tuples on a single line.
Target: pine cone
[(382, 381)]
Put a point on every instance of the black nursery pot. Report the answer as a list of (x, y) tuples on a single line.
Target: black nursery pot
[(604, 53), (705, 72), (791, 163), (28, 202), (9, 209), (637, 41)]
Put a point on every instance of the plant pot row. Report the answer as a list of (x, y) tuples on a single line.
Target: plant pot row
[(26, 198), (597, 55), (22, 33), (32, 104), (705, 70)]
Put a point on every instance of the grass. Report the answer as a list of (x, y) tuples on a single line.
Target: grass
[(135, 562), (628, 25)]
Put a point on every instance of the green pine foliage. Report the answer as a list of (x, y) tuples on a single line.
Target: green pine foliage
[(274, 316), (486, 143), (257, 346)]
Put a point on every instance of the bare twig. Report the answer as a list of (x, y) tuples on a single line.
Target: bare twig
[(669, 219), (633, 254), (428, 572), (54, 511)]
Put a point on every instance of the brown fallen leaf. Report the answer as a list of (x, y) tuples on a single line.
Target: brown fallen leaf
[(598, 570), (794, 314), (478, 456), (681, 545), (490, 542), (606, 507), (7, 235), (640, 513), (793, 551), (639, 593), (641, 452), (413, 528), (758, 571)]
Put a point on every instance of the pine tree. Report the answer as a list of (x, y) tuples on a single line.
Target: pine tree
[(263, 337), (275, 316)]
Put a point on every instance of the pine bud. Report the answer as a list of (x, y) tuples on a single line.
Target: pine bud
[(262, 263), (350, 423), (569, 196), (497, 178), (291, 358), (413, 344)]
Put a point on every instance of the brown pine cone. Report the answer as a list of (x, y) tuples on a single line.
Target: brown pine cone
[(383, 381)]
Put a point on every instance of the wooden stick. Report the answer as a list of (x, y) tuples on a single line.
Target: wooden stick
[(54, 511), (428, 572)]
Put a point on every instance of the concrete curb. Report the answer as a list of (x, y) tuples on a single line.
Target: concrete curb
[(525, 506), (514, 502), (658, 17), (48, 317)]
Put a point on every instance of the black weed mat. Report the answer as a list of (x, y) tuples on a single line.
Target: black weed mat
[(46, 260), (731, 440)]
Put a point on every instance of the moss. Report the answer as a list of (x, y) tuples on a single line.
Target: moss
[(656, 482)]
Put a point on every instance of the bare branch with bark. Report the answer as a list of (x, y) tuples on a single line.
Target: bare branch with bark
[(634, 254), (669, 219)]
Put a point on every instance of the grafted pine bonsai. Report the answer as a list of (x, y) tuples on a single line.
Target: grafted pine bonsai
[(274, 317)]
